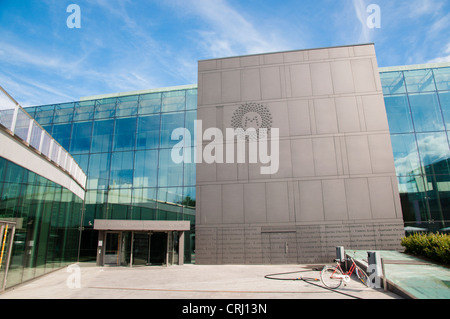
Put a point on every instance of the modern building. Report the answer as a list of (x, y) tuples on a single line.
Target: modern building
[(335, 183), (417, 100), (41, 198), (123, 142), (362, 150)]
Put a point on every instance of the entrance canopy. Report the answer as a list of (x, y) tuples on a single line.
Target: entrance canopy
[(142, 225)]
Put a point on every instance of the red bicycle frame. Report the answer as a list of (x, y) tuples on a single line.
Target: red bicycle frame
[(348, 273)]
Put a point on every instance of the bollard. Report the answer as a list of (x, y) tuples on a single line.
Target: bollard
[(340, 253), (374, 270)]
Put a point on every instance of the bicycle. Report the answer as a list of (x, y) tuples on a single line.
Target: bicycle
[(333, 276)]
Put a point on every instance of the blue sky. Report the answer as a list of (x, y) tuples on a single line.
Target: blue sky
[(126, 45)]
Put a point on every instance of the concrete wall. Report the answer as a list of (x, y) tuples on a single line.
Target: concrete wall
[(336, 181)]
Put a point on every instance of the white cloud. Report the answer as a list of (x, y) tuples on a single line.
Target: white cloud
[(76, 72), (445, 57), (227, 32), (361, 13), (418, 8), (28, 92)]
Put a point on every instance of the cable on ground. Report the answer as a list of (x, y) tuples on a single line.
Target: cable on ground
[(308, 280)]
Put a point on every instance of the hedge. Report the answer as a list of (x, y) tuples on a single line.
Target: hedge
[(433, 246)]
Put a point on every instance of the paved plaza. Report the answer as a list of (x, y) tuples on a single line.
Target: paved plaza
[(87, 281)]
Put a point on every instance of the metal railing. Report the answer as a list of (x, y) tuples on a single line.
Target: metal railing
[(22, 125)]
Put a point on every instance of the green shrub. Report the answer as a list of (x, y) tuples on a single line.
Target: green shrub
[(432, 246)]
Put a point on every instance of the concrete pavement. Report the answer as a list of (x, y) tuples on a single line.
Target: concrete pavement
[(87, 281)]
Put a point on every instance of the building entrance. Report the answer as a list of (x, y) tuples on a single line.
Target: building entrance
[(151, 249), (140, 243), (112, 248)]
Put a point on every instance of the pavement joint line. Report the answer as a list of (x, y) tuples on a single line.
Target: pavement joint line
[(210, 291)]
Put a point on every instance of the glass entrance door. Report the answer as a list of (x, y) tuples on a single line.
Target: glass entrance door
[(150, 249), (158, 249), (141, 249), (112, 248)]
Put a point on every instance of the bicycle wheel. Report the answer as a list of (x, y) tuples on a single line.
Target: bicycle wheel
[(362, 276), (329, 274)]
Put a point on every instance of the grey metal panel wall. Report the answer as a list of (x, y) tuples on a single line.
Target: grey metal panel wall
[(336, 181)]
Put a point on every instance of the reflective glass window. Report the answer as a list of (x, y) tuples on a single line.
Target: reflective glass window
[(105, 108), (437, 200), (443, 187), (392, 82), (189, 196), (95, 197), (169, 173), (434, 152), (13, 173), (98, 175), (444, 99), (398, 114), (148, 132), (47, 128), (82, 160), (63, 113), (3, 164), (189, 171), (127, 105), (173, 101), (119, 201), (31, 110), (191, 99), (406, 155), (170, 203), (419, 80), (150, 103), (81, 137), (442, 77), (145, 197), (102, 136), (170, 122), (61, 133), (120, 196), (84, 111), (44, 114), (146, 168), (413, 198), (124, 134), (172, 195), (95, 205), (426, 112), (144, 203), (121, 175), (191, 116)]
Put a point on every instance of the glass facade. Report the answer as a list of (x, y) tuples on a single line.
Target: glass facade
[(124, 144), (418, 110), (47, 217)]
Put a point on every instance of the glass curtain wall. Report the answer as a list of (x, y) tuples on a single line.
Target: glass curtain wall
[(418, 110), (124, 144), (47, 217)]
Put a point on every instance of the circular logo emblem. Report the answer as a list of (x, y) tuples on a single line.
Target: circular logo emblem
[(252, 115)]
